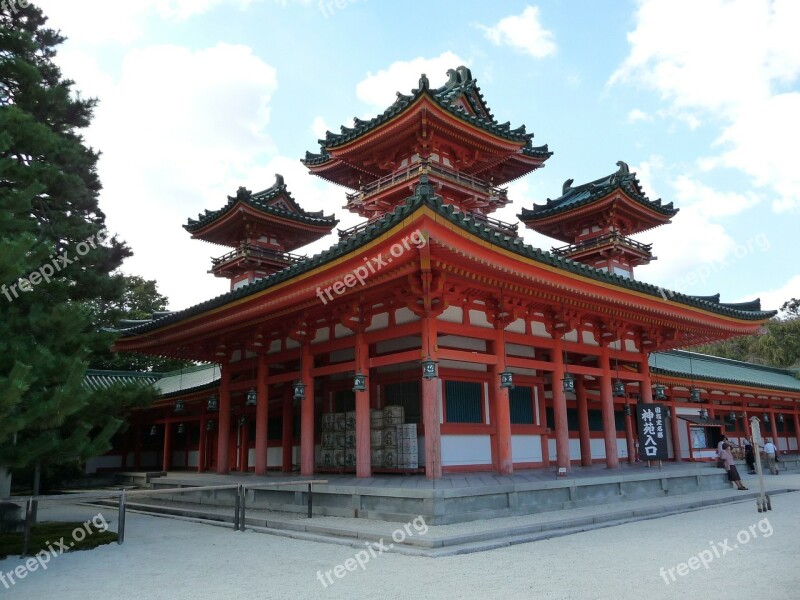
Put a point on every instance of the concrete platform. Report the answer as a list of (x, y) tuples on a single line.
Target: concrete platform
[(454, 498)]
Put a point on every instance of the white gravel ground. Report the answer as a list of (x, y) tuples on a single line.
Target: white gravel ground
[(166, 558)]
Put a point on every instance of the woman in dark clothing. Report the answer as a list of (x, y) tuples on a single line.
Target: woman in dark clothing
[(733, 472), (750, 457)]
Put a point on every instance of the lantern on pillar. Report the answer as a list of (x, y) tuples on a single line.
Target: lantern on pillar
[(732, 417), (153, 431), (181, 428), (252, 398), (209, 425), (506, 379), (359, 382), (179, 406), (299, 390), (780, 418), (766, 417), (619, 389), (568, 383), (213, 403), (628, 411), (694, 395), (660, 392), (703, 414), (430, 369)]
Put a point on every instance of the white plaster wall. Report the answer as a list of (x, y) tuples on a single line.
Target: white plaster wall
[(526, 448), (103, 462), (380, 321), (404, 315), (462, 343), (478, 318), (466, 450), (452, 314)]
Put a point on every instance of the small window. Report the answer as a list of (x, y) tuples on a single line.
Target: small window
[(463, 402), (521, 403)]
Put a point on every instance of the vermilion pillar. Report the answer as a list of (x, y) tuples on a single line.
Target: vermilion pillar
[(430, 405), (224, 433), (560, 406), (797, 429), (607, 408), (629, 439), (646, 385), (673, 424), (363, 463), (244, 447), (165, 460), (502, 409), (201, 447), (262, 414), (307, 414), (748, 433), (287, 435), (583, 421)]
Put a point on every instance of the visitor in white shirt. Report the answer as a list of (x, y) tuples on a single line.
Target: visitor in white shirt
[(769, 451)]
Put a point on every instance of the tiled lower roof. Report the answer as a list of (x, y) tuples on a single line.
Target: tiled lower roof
[(702, 367), (97, 379)]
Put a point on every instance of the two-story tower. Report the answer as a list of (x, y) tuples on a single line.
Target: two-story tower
[(448, 133), (596, 219), (263, 229)]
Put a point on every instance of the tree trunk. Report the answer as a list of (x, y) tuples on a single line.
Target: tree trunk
[(37, 476), (5, 482)]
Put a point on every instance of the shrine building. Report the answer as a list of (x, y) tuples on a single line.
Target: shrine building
[(431, 338)]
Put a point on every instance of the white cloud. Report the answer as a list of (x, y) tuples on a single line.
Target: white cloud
[(523, 32), (319, 127), (773, 299), (180, 130), (379, 90), (636, 115), (734, 73)]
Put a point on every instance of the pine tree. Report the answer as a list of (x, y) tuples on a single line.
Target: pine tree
[(56, 259)]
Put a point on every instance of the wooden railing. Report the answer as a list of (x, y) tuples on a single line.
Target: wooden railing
[(247, 250), (601, 240)]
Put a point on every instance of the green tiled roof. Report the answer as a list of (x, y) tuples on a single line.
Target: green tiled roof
[(460, 83), (96, 379), (573, 197), (191, 379), (260, 201), (424, 196), (712, 368)]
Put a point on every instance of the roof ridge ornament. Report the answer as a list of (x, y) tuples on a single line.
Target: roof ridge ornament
[(242, 194), (564, 188), (623, 168)]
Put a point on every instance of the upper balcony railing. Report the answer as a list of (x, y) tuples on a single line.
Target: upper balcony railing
[(412, 171), (613, 237), (509, 229), (258, 253)]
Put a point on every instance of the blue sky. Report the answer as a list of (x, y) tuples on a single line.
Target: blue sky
[(699, 97)]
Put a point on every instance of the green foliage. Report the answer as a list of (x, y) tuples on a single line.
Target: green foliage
[(779, 346), (49, 191), (44, 534)]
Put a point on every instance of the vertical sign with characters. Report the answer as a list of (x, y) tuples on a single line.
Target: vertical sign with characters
[(652, 432)]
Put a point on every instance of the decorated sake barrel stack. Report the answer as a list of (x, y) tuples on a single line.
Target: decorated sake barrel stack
[(393, 415)]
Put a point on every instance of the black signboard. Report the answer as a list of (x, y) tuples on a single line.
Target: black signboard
[(652, 431)]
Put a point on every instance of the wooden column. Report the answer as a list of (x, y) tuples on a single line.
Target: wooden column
[(363, 458), (307, 414), (629, 438), (607, 407), (137, 449), (501, 408), (224, 425), (646, 385), (166, 458), (583, 421), (673, 424), (430, 405), (748, 433), (201, 446), (774, 428), (797, 428), (287, 442), (262, 414), (244, 447), (560, 406)]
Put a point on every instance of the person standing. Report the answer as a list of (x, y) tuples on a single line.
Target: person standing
[(733, 473), (749, 457), (770, 450), (720, 461)]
